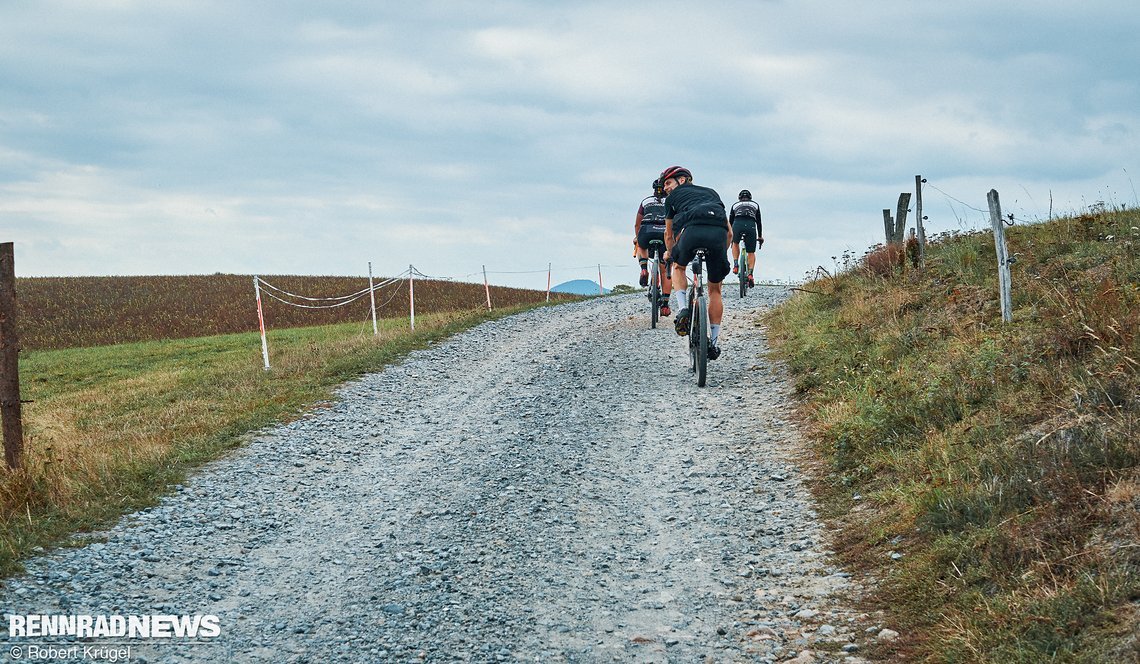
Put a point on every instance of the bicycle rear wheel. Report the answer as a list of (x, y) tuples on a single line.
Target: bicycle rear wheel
[(742, 269), (654, 293), (702, 351), (694, 342)]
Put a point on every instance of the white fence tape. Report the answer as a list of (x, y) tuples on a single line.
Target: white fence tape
[(286, 297)]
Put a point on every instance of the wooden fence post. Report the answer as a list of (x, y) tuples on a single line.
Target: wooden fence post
[(10, 361), (900, 217), (261, 322), (918, 219), (888, 226), (372, 300), (487, 287), (412, 295), (1002, 256)]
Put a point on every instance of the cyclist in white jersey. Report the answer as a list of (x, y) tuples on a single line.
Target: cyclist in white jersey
[(649, 225), (745, 220)]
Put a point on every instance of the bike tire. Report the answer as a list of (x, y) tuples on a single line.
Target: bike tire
[(702, 340), (654, 297), (693, 341), (742, 268)]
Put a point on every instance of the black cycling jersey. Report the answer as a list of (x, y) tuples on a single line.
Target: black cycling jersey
[(691, 204), (652, 211), (750, 209), (746, 211)]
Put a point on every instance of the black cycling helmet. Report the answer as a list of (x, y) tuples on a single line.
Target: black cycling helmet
[(675, 172), (658, 190), (744, 195)]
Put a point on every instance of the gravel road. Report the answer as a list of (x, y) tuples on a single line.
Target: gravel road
[(547, 487)]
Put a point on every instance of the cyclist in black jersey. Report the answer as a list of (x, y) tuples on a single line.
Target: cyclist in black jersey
[(695, 218), (744, 217), (649, 225)]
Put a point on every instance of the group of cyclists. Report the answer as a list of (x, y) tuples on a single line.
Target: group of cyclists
[(688, 217)]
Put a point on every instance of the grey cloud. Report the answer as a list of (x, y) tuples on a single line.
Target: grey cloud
[(324, 132)]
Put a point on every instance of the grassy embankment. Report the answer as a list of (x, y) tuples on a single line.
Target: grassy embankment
[(1000, 460), (111, 428)]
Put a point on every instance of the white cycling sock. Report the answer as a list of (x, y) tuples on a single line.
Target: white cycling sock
[(682, 298), (714, 333)]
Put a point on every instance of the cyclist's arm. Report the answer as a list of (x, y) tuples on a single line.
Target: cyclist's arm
[(759, 228), (669, 235), (637, 222)]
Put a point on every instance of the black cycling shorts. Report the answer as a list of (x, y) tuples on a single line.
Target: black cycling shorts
[(649, 232), (713, 238), (745, 229)]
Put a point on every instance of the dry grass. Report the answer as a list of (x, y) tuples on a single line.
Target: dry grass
[(1003, 459), (111, 428)]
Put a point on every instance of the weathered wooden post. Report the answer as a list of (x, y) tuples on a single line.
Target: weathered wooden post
[(918, 219), (888, 226), (1002, 256), (10, 360), (900, 217)]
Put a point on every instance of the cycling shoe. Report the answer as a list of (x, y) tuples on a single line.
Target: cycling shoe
[(681, 322)]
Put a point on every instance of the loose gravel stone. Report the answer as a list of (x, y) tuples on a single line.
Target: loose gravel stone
[(551, 486)]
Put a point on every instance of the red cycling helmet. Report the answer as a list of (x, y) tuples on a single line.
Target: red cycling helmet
[(675, 172)]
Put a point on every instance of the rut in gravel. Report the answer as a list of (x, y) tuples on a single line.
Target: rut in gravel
[(547, 487)]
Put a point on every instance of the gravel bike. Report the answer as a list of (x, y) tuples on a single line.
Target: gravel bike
[(654, 266), (742, 264), (699, 319)]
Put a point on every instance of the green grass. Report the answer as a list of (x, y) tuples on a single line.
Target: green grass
[(111, 428), (1003, 460)]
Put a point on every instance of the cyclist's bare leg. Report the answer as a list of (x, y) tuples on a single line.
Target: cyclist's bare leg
[(680, 280), (642, 261), (752, 262), (716, 312), (716, 304), (666, 283), (679, 283), (736, 253)]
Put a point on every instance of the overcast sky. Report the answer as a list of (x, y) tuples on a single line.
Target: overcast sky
[(176, 137)]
